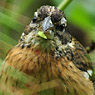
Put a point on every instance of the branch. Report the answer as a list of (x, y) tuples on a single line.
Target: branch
[(64, 4)]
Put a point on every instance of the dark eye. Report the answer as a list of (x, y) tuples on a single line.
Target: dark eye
[(60, 27), (39, 15), (63, 25), (34, 19)]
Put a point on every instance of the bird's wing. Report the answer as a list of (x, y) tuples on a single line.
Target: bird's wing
[(73, 79), (76, 53), (81, 58), (12, 75)]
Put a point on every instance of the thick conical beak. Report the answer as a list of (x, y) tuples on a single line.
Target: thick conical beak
[(47, 23), (46, 32)]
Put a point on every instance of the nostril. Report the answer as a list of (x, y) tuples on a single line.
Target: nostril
[(34, 19)]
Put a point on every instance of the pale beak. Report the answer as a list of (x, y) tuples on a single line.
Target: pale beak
[(47, 33), (47, 23)]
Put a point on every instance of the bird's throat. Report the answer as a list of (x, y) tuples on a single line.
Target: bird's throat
[(43, 44)]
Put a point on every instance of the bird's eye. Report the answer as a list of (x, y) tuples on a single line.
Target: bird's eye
[(61, 27), (34, 19), (39, 15)]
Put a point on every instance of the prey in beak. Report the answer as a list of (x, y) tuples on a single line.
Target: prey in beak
[(47, 26)]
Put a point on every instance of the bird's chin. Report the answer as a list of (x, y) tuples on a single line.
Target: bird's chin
[(46, 35), (42, 44)]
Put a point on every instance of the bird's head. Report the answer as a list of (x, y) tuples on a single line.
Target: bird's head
[(50, 19), (48, 22)]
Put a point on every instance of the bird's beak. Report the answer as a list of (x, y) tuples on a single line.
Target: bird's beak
[(46, 32), (47, 23)]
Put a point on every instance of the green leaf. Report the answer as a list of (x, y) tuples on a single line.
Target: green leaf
[(24, 4), (92, 56), (41, 34), (14, 15), (56, 2), (4, 48), (10, 22), (78, 15), (0, 61), (7, 39)]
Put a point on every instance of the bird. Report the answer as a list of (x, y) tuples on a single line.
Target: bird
[(47, 60)]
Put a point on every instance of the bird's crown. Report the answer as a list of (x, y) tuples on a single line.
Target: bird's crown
[(45, 11)]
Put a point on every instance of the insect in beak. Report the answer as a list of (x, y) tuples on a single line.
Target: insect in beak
[(47, 33), (42, 35)]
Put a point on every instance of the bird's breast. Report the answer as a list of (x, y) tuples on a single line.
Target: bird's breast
[(44, 67), (31, 60)]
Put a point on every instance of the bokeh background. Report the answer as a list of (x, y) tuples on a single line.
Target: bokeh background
[(16, 14)]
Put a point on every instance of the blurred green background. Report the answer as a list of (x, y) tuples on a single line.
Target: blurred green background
[(16, 14)]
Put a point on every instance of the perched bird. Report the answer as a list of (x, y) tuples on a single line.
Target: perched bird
[(47, 60)]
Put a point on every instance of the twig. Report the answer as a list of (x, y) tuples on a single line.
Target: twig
[(64, 4)]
